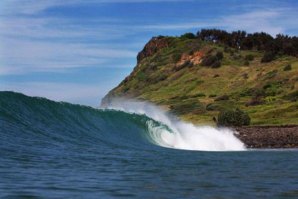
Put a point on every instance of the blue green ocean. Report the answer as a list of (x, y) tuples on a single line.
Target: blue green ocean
[(59, 150)]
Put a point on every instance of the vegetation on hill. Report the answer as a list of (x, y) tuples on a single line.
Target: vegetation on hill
[(198, 76), (280, 45), (233, 118)]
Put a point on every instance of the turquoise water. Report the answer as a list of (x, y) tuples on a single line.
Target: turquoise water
[(60, 150)]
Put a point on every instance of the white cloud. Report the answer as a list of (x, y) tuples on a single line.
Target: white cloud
[(178, 26), (19, 56), (58, 28), (33, 6), (31, 44), (35, 44), (255, 21), (272, 21)]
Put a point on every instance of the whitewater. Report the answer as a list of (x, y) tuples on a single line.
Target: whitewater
[(179, 134)]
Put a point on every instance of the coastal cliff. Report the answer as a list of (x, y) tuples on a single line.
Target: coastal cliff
[(197, 76)]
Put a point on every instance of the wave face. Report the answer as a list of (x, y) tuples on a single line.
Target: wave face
[(59, 150), (124, 124), (25, 119)]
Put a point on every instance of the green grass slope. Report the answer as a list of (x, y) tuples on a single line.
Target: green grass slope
[(175, 76)]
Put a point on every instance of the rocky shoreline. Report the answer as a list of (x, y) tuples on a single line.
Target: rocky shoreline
[(269, 136)]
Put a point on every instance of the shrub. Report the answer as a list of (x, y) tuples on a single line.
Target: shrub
[(212, 107), (221, 98), (161, 77), (237, 56), (246, 92), (176, 75), (176, 57), (235, 117), (245, 76), (185, 107), (272, 88), (212, 61), (292, 96), (216, 64), (212, 95), (255, 101), (125, 89), (219, 55), (246, 63), (271, 74), (268, 57), (198, 95), (191, 52), (249, 57), (188, 35), (178, 67), (151, 66), (141, 76), (187, 64), (158, 77), (209, 60), (288, 67), (258, 92)]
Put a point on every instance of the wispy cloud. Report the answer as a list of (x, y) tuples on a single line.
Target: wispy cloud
[(256, 21), (19, 56), (32, 6), (58, 28), (31, 45), (272, 21)]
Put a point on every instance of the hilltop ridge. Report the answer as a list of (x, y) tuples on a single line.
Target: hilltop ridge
[(197, 76)]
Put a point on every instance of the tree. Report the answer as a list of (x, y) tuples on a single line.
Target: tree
[(188, 35), (282, 44), (234, 117), (268, 57)]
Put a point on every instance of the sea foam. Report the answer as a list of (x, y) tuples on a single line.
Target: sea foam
[(180, 134)]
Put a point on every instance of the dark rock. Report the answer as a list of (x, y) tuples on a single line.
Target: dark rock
[(269, 136), (152, 47)]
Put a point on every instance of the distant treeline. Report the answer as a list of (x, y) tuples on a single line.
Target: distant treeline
[(280, 45)]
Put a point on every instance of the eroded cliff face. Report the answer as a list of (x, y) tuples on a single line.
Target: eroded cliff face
[(194, 58), (153, 46)]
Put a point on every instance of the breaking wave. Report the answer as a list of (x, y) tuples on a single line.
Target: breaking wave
[(41, 123)]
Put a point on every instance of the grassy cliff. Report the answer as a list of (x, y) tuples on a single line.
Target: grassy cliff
[(195, 79)]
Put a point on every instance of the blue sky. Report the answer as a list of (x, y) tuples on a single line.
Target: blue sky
[(77, 50)]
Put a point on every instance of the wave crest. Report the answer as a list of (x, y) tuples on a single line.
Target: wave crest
[(178, 134)]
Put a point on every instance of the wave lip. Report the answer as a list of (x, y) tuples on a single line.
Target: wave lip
[(178, 134)]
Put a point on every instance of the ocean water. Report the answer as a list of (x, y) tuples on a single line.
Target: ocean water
[(59, 150)]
